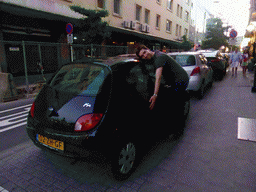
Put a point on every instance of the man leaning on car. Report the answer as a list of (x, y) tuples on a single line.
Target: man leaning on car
[(175, 78)]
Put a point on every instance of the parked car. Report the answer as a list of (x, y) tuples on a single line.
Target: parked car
[(103, 106), (200, 74), (217, 63)]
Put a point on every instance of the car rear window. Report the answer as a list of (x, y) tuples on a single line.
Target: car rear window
[(185, 60), (84, 79)]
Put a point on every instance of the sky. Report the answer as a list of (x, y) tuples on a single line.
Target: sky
[(233, 12)]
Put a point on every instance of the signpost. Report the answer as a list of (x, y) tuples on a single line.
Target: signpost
[(69, 30), (233, 33)]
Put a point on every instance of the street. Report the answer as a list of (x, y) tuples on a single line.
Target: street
[(12, 123), (209, 157)]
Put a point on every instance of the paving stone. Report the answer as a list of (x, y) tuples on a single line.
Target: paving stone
[(162, 177), (150, 186), (61, 184), (22, 183), (3, 180), (12, 187)]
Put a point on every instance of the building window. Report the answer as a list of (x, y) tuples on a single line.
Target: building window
[(117, 7), (186, 16), (178, 10), (168, 26), (186, 32), (170, 4), (147, 14), (177, 30), (138, 12), (181, 10), (158, 21), (101, 3), (180, 31)]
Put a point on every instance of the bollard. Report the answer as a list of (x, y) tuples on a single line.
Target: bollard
[(254, 82)]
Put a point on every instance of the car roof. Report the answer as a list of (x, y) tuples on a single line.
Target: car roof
[(108, 61), (184, 53)]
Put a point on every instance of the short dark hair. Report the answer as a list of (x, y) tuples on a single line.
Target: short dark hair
[(139, 49)]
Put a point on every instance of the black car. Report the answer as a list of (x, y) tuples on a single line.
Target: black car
[(217, 63), (97, 105)]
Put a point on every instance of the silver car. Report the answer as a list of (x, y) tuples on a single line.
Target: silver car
[(200, 75)]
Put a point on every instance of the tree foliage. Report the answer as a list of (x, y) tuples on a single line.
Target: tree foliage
[(92, 28), (186, 45), (215, 37)]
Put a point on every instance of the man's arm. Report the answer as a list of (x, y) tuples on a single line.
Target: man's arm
[(157, 86)]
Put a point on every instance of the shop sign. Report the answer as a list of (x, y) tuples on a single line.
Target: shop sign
[(14, 49)]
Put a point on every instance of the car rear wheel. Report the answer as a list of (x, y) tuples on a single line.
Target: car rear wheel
[(201, 91), (123, 162)]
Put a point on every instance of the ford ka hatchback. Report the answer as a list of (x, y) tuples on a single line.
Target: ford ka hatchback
[(100, 106)]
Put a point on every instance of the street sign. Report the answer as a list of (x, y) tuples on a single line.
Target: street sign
[(70, 38), (233, 33), (69, 28)]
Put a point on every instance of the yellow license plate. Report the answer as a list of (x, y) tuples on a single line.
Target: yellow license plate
[(51, 142)]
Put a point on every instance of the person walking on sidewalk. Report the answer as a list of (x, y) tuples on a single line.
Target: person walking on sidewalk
[(244, 63), (235, 60)]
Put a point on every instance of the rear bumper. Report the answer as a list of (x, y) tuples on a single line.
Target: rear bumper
[(194, 83), (74, 146)]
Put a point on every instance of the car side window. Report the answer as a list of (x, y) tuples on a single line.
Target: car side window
[(139, 81)]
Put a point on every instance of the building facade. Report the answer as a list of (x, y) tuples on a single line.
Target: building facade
[(157, 23)]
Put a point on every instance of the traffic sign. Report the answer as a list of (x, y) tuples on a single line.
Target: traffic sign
[(70, 38), (69, 28), (233, 33)]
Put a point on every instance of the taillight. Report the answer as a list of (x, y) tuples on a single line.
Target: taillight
[(195, 71), (32, 110), (87, 122), (215, 60)]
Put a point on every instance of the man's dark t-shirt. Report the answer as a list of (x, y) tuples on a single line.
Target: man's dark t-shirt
[(173, 74)]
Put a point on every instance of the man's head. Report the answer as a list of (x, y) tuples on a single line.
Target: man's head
[(144, 53)]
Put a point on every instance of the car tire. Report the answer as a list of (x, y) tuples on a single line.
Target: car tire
[(201, 91), (186, 110), (179, 132), (124, 160)]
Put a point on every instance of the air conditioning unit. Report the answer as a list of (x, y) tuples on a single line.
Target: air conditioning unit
[(142, 28), (147, 29), (133, 25), (126, 24)]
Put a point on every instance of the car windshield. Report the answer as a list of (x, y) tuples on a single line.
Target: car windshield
[(83, 79), (184, 60)]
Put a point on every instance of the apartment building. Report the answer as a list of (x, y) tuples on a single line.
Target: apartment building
[(157, 23)]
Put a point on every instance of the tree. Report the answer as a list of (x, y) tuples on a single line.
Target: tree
[(186, 45), (93, 29), (215, 37)]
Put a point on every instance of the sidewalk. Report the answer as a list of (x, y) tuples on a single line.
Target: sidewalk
[(210, 157)]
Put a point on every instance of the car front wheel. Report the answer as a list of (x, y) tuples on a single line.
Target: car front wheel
[(123, 162)]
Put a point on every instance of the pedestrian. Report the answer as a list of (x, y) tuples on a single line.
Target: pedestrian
[(235, 60), (244, 63), (170, 77)]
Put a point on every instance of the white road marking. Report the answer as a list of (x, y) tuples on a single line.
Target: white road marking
[(12, 127), (15, 108), (14, 120)]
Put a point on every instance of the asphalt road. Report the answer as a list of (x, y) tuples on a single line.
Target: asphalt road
[(13, 117)]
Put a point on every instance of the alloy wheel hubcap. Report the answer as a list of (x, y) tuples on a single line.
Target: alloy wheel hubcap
[(126, 158)]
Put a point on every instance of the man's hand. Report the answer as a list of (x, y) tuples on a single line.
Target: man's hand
[(153, 101)]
